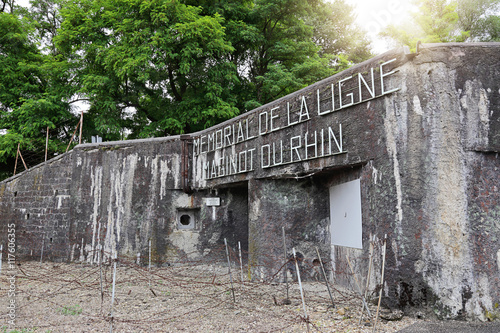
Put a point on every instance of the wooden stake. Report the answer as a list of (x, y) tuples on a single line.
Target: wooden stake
[(73, 136), (324, 276), (46, 143), (381, 281), (22, 159), (17, 156), (229, 270), (300, 287)]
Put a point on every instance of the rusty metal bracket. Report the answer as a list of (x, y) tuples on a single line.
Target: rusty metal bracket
[(186, 142)]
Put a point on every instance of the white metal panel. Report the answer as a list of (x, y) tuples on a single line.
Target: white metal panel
[(345, 214)]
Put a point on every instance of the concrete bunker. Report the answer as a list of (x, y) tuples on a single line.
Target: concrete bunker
[(414, 137)]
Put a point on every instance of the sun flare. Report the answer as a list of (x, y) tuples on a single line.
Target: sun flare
[(375, 15)]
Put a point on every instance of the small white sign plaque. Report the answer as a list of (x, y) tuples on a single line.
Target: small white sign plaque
[(212, 201)]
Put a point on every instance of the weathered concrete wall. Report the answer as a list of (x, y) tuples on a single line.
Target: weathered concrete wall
[(116, 197), (446, 113), (421, 132), (298, 206), (128, 193), (419, 148), (38, 203)]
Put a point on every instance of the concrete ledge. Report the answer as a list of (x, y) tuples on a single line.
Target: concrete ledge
[(452, 327)]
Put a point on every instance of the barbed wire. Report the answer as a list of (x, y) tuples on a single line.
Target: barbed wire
[(193, 295)]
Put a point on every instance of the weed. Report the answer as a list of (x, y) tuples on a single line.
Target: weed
[(71, 310), (491, 315), (23, 330)]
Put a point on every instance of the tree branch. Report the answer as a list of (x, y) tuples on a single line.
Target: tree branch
[(79, 100), (172, 85)]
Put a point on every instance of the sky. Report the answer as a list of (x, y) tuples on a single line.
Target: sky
[(24, 3), (374, 15)]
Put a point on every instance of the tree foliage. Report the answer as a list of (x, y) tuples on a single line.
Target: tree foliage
[(441, 21), (160, 58), (6, 6), (434, 22), (32, 97), (284, 45), (187, 65), (480, 18), (157, 67)]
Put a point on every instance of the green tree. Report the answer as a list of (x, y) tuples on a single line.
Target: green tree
[(160, 59), (441, 21), (480, 18), (158, 67), (491, 29), (284, 45), (185, 65), (434, 22), (6, 5), (32, 96), (45, 14)]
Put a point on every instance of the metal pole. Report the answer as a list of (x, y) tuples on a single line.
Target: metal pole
[(229, 270), (81, 127), (81, 254), (381, 281), (300, 287), (333, 264), (149, 265), (46, 143), (100, 278), (41, 255), (324, 276), (367, 277), (113, 294), (285, 271), (241, 261), (99, 252)]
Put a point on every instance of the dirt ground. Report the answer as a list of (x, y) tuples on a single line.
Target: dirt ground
[(190, 298)]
